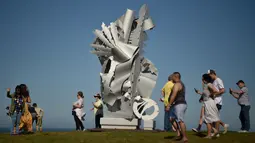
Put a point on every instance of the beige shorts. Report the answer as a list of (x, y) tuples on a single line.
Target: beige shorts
[(39, 122)]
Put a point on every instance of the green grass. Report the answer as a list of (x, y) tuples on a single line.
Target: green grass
[(121, 137)]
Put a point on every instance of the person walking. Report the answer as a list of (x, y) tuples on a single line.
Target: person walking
[(218, 84), (39, 117), (202, 111), (211, 114), (201, 117), (26, 119), (98, 110), (177, 100), (243, 100), (32, 111), (77, 111), (165, 92), (17, 108)]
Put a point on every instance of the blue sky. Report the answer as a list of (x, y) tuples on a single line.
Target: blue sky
[(45, 44)]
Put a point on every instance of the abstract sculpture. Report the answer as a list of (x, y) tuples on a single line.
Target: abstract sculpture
[(127, 78)]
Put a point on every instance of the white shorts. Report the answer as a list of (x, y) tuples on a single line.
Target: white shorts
[(179, 112)]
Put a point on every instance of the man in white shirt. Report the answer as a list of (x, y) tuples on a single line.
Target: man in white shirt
[(218, 84), (40, 113)]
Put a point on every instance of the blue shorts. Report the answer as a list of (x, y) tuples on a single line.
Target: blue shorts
[(179, 112), (171, 115)]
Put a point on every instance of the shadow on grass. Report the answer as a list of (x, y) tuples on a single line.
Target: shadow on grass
[(201, 135), (26, 133), (45, 134), (169, 137), (176, 138)]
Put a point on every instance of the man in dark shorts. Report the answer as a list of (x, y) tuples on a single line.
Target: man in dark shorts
[(218, 84)]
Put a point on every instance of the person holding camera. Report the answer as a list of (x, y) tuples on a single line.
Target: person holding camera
[(98, 110), (243, 100), (211, 113)]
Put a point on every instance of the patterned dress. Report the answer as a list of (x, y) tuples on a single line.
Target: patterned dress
[(26, 120)]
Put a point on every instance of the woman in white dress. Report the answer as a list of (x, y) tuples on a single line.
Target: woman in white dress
[(77, 112), (211, 114)]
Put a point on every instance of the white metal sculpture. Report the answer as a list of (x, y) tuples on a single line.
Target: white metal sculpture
[(127, 78)]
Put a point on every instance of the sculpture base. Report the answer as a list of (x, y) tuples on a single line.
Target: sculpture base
[(118, 123), (149, 124)]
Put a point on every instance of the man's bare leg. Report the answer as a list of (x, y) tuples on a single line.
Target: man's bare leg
[(183, 131)]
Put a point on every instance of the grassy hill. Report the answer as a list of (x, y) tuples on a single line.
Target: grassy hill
[(121, 137)]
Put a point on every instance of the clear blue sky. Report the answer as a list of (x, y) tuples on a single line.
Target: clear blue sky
[(45, 44)]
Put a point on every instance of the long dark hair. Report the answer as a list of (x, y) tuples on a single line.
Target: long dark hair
[(17, 88), (24, 90)]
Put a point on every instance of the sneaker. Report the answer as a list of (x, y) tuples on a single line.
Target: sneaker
[(195, 130), (243, 131), (215, 133), (208, 137), (226, 128)]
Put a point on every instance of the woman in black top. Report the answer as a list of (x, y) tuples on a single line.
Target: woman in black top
[(32, 111)]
